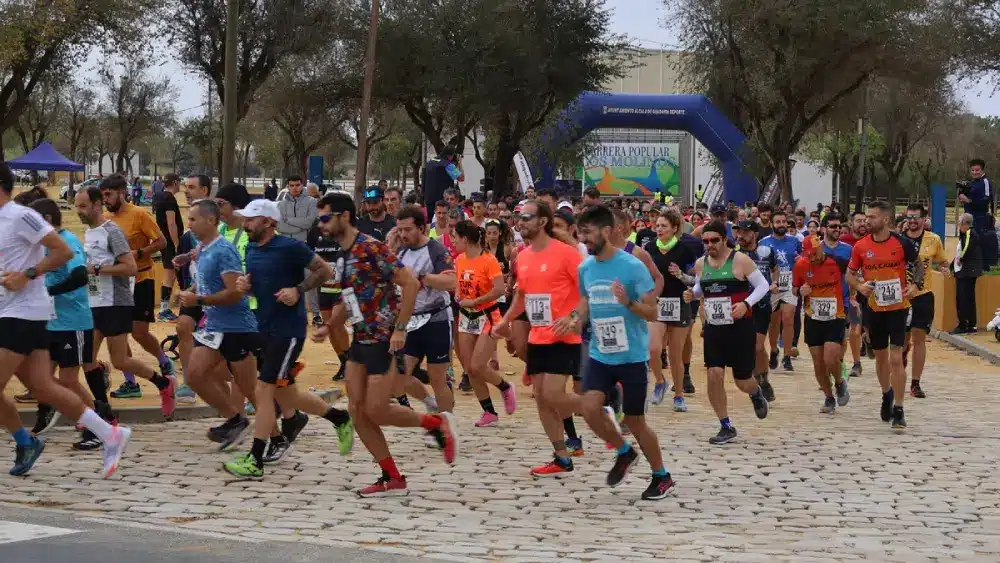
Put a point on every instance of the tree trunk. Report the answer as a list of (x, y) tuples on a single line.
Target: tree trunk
[(783, 169), (506, 150), (415, 169)]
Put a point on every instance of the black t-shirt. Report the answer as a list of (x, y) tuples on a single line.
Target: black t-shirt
[(681, 255), (645, 236), (764, 232), (168, 203), (377, 229)]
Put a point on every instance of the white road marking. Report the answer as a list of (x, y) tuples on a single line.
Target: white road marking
[(11, 532)]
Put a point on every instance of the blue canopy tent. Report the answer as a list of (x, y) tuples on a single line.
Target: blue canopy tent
[(45, 157)]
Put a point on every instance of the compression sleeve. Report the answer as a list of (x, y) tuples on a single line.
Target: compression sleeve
[(698, 293), (760, 287), (76, 279)]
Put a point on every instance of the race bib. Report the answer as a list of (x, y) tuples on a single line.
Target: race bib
[(719, 310), (100, 290), (417, 321), (610, 334), (823, 308), (888, 292), (668, 309), (471, 326), (539, 308), (784, 281), (354, 315), (208, 338)]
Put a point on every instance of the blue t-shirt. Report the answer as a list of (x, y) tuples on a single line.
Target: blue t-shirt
[(841, 254), (72, 307), (786, 250), (272, 267), (215, 259), (596, 278)]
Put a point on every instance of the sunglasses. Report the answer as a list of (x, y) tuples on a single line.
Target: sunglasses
[(527, 216), (327, 217), (913, 217), (712, 240)]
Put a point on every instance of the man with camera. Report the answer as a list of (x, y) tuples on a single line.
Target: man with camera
[(978, 198), (440, 174)]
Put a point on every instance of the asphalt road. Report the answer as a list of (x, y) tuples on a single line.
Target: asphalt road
[(30, 535)]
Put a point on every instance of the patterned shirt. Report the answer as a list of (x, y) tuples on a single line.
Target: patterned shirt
[(369, 269)]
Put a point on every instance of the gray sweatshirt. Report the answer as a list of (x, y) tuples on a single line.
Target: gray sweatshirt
[(297, 216)]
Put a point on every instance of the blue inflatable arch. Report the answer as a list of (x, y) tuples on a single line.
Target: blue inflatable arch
[(691, 113)]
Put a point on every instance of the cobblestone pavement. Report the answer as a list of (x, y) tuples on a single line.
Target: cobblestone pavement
[(798, 486)]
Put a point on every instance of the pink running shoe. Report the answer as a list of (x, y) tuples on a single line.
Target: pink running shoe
[(488, 419), (509, 399), (167, 400)]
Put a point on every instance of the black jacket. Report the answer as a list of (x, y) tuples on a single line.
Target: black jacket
[(972, 258)]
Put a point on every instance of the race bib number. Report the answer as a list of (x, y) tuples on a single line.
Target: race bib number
[(719, 310), (417, 321), (823, 308), (208, 338), (354, 315), (539, 308), (888, 292), (668, 309), (784, 281), (611, 336), (100, 290), (471, 326)]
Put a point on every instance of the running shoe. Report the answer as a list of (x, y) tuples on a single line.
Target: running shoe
[(773, 361), (726, 434), (245, 467), (829, 406), (915, 390), (574, 446), (488, 419), (235, 434), (465, 386), (168, 399), (659, 487), (168, 369), (766, 388), (114, 449), (385, 487), (317, 321), (680, 405), (688, 385), (856, 369), (759, 405), (88, 441), (898, 420), (166, 316), (291, 427), (886, 411), (26, 456), (45, 420), (509, 399), (843, 395), (341, 372), (249, 409), (795, 351), (623, 465), (277, 447), (185, 395), (25, 397), (447, 437), (127, 390), (556, 469), (345, 437), (430, 404), (659, 392), (786, 364)]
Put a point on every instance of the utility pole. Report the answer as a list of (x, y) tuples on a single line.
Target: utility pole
[(859, 203), (229, 96), (361, 172)]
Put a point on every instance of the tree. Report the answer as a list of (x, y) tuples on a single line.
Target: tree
[(776, 68), (42, 113), (139, 105), (80, 121), (42, 39), (835, 144), (383, 123)]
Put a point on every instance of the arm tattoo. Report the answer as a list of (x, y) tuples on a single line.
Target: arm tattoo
[(319, 273)]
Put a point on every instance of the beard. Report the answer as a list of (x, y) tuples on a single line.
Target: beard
[(84, 218), (114, 207), (780, 231), (252, 235), (529, 233), (598, 246)]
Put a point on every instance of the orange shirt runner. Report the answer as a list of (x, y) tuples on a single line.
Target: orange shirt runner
[(549, 280), (475, 277), (825, 301), (885, 265), (140, 228)]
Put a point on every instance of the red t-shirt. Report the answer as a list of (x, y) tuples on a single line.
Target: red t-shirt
[(826, 297), (884, 264)]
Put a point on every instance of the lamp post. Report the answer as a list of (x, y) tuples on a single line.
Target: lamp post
[(229, 96), (361, 170)]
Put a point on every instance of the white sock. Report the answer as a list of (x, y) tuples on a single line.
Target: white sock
[(93, 422)]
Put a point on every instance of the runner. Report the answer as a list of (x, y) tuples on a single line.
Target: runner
[(892, 276), (763, 256), (818, 278), (831, 225), (276, 267), (480, 284), (168, 219), (548, 291), (229, 336), (329, 295), (30, 248), (856, 315), (370, 304), (674, 317), (110, 266), (618, 296), (931, 253), (725, 278), (786, 249)]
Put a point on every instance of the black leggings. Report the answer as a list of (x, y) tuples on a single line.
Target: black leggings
[(965, 301)]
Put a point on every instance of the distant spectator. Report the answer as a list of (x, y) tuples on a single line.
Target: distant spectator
[(157, 189), (136, 191), (271, 191), (968, 266)]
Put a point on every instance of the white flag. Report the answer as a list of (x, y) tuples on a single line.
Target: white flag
[(523, 171)]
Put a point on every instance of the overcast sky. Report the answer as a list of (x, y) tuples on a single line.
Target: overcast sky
[(643, 20)]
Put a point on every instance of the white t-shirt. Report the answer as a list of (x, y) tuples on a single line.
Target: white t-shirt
[(21, 230)]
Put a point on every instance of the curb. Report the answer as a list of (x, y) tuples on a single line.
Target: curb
[(152, 415), (968, 346)]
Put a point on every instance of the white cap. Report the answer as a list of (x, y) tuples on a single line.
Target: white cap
[(565, 205), (260, 208)]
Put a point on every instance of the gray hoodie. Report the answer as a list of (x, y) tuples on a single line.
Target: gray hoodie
[(297, 216)]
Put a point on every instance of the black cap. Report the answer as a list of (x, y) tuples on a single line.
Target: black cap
[(566, 215), (374, 193), (719, 208), (235, 194), (748, 225)]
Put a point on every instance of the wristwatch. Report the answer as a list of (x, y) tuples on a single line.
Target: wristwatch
[(401, 327), (97, 269), (199, 301), (31, 273)]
